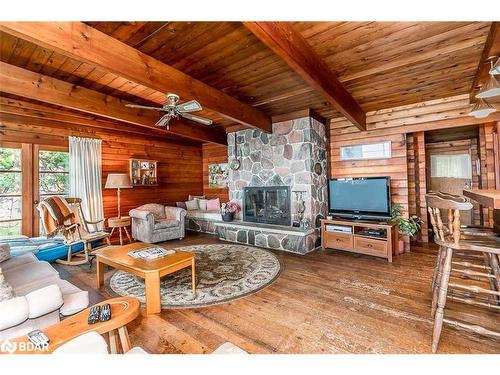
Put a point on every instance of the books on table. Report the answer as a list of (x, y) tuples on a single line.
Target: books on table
[(150, 253)]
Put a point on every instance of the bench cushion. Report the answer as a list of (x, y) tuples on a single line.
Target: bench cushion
[(206, 215)]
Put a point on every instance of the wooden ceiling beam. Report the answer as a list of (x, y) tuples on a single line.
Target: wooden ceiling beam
[(291, 46), (27, 84), (491, 48), (84, 43), (42, 111)]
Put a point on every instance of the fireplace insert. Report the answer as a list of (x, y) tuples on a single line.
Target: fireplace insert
[(270, 205)]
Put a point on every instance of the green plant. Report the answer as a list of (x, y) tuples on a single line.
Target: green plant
[(407, 227)]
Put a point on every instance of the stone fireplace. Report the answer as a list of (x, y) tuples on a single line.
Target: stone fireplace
[(294, 157)]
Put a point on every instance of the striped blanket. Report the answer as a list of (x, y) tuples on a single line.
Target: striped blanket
[(55, 214)]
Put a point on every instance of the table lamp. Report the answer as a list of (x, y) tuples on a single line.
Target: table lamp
[(118, 181)]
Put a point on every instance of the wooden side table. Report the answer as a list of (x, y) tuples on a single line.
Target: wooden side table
[(120, 222)]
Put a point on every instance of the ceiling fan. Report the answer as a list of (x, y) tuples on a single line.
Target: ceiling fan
[(173, 109)]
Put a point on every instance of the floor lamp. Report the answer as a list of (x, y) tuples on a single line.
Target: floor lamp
[(118, 181)]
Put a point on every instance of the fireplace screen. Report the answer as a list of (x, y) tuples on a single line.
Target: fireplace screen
[(269, 205)]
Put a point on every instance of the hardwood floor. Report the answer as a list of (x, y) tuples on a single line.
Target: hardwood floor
[(325, 302)]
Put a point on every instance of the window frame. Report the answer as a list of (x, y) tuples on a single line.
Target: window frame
[(18, 146), (344, 158)]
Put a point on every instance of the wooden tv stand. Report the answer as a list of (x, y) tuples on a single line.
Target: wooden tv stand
[(359, 241)]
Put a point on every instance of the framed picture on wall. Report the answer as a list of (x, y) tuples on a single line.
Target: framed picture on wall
[(217, 175)]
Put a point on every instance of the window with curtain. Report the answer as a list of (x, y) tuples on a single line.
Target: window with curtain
[(455, 166)]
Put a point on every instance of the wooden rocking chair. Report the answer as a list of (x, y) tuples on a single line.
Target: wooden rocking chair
[(78, 231)]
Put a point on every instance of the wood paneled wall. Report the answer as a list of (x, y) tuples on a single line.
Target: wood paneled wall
[(214, 154), (420, 184), (394, 124), (179, 164), (490, 164), (394, 167)]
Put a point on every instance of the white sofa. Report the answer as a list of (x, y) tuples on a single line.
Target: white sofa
[(40, 296), (93, 343)]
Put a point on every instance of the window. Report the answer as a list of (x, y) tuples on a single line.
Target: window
[(53, 174), (10, 191), (381, 150), (455, 166)]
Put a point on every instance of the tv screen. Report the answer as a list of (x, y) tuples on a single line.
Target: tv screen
[(360, 197)]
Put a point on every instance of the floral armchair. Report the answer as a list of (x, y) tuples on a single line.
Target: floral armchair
[(154, 223)]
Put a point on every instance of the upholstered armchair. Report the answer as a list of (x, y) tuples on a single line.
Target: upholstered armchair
[(156, 223)]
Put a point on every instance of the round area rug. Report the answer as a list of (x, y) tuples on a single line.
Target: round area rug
[(224, 272)]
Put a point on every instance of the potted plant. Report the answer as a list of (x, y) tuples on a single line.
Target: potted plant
[(228, 210), (406, 226)]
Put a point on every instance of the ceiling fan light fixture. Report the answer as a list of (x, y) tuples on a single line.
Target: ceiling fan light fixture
[(490, 90), (481, 109)]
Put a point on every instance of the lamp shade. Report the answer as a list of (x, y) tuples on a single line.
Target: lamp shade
[(495, 69), (491, 89), (118, 180), (481, 109)]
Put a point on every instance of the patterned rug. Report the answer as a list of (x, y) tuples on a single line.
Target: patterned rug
[(224, 272)]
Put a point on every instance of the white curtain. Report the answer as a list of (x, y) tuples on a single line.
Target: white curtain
[(85, 175), (457, 166)]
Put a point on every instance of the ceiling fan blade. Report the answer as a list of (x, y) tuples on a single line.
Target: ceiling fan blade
[(163, 121), (191, 106), (201, 120), (143, 107)]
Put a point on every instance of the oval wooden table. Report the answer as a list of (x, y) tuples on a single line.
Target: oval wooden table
[(123, 311)]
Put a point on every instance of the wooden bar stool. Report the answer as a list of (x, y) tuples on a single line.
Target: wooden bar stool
[(483, 252), (491, 261)]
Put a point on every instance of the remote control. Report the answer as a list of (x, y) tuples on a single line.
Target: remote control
[(38, 338), (94, 313), (105, 313)]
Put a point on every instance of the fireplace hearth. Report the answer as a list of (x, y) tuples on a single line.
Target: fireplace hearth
[(269, 205)]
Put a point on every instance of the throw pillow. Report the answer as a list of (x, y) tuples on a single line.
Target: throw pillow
[(192, 205), (213, 205), (181, 205), (191, 197), (202, 203), (4, 253), (5, 289)]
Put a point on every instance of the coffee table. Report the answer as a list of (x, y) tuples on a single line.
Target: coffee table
[(151, 270)]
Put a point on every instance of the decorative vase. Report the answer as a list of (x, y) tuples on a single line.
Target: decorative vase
[(228, 216)]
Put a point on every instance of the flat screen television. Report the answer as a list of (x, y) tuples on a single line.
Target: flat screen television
[(362, 198)]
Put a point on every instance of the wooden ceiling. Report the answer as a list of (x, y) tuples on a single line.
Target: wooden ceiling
[(381, 64)]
